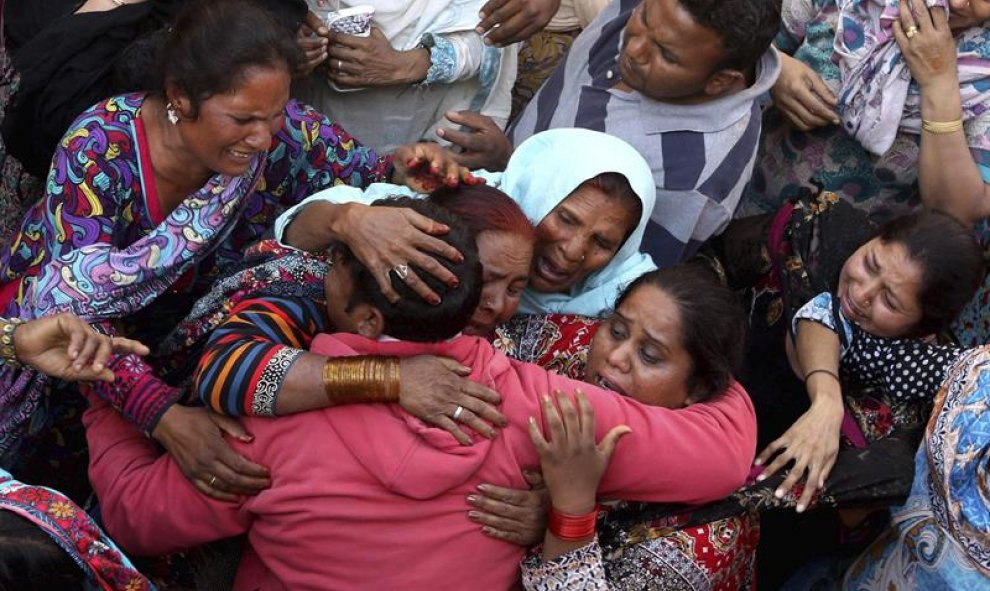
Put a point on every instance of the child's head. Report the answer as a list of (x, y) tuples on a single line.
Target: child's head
[(913, 278), (355, 302)]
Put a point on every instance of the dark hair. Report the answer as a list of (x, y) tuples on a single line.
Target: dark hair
[(616, 186), (214, 42), (951, 262), (483, 208), (412, 318), (713, 324), (746, 27), (31, 560)]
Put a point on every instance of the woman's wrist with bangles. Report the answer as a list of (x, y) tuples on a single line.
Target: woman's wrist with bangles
[(573, 527), (942, 127), (8, 349), (364, 378)]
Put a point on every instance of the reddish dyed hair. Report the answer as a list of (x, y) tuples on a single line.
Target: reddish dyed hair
[(485, 209)]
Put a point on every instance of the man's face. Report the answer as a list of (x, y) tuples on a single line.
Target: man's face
[(667, 55)]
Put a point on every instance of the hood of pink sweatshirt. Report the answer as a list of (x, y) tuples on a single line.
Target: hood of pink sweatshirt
[(408, 456)]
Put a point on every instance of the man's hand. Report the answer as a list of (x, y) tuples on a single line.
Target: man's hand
[(504, 22), (481, 141)]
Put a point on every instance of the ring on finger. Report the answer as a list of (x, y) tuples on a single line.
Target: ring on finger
[(213, 480), (402, 271), (457, 412), (911, 32)]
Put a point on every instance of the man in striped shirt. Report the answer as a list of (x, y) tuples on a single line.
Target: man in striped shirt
[(679, 80)]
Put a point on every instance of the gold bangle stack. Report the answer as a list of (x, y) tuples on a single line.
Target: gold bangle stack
[(348, 380), (941, 127), (8, 354)]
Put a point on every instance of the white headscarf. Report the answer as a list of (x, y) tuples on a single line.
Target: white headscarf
[(543, 171)]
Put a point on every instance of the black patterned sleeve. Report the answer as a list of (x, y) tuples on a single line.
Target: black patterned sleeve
[(905, 369)]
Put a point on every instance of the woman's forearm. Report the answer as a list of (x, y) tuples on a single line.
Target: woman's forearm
[(948, 178), (818, 360), (316, 227)]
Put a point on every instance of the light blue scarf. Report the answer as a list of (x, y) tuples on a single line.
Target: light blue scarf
[(543, 171)]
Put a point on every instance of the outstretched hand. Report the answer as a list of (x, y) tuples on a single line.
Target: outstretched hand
[(812, 444), (425, 167), (572, 462), (480, 139), (67, 348), (504, 22)]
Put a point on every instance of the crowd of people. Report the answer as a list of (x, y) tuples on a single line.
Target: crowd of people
[(550, 294)]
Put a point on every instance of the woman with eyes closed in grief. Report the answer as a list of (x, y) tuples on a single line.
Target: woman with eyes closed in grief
[(589, 194), (674, 340), (153, 196)]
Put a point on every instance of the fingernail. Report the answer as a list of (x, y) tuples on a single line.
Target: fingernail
[(757, 462), (435, 169), (97, 366), (473, 515), (481, 16), (761, 477), (411, 162), (472, 499), (455, 282), (440, 132), (247, 438), (800, 508), (778, 493), (482, 487), (435, 300)]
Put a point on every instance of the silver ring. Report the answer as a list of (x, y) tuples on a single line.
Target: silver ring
[(402, 271), (213, 480), (457, 412), (340, 66)]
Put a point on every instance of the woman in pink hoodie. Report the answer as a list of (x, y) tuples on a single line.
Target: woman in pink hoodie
[(367, 496)]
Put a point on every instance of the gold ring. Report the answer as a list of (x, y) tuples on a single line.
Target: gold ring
[(911, 32)]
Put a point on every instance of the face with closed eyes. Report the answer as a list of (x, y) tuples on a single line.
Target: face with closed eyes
[(580, 236), (880, 289), (505, 260), (639, 350), (231, 128)]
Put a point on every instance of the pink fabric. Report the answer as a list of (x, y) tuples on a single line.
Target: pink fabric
[(366, 496)]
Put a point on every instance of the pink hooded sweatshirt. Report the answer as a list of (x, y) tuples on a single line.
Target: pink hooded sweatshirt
[(369, 497)]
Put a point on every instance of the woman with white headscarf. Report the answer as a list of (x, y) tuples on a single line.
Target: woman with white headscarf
[(589, 194)]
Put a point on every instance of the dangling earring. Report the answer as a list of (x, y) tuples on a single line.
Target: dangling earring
[(170, 113)]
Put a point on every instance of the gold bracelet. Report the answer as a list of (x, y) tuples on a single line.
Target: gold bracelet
[(941, 127), (348, 380), (8, 353)]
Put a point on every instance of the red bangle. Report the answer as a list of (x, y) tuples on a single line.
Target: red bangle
[(573, 528)]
